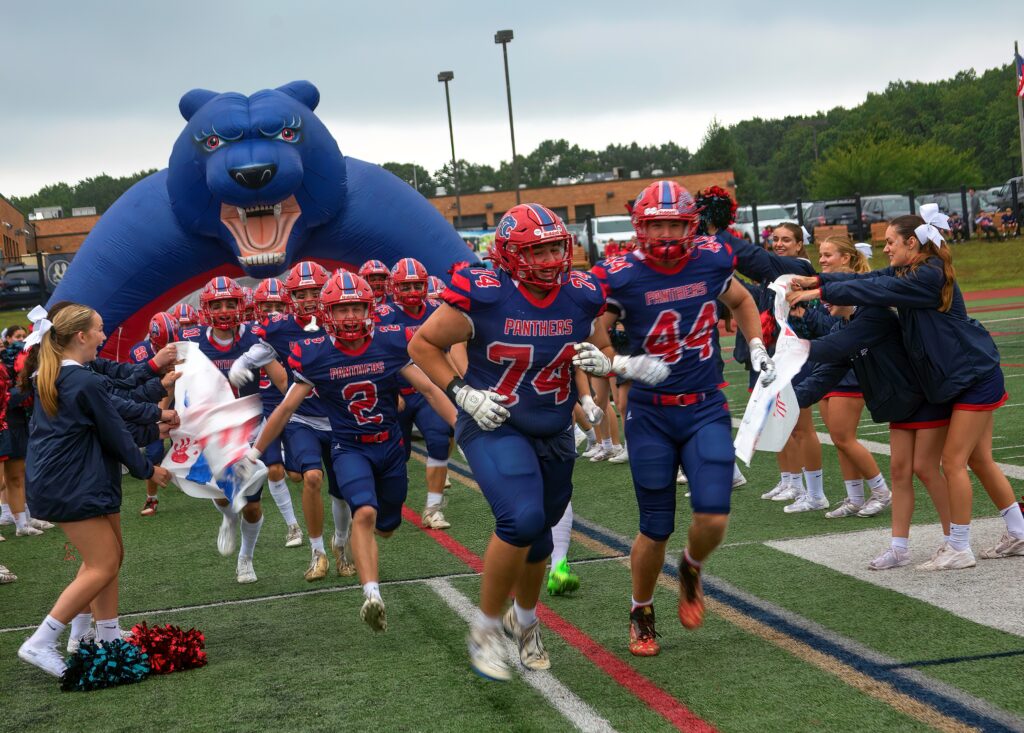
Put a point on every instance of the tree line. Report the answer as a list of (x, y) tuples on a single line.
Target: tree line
[(914, 135)]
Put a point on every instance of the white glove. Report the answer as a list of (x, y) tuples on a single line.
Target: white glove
[(483, 406), (590, 359), (594, 413), (312, 325), (761, 362), (240, 373), (253, 454), (642, 368)]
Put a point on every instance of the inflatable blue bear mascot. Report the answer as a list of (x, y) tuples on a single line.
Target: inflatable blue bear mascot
[(254, 185)]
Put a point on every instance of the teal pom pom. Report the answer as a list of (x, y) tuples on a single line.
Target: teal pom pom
[(106, 664)]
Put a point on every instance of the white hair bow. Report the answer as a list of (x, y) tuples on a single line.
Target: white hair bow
[(807, 234), (40, 325), (933, 221), (865, 249)]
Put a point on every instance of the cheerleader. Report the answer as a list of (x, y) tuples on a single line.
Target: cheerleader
[(955, 360), (73, 473)]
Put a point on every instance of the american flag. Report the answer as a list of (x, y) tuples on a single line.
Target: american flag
[(1019, 64)]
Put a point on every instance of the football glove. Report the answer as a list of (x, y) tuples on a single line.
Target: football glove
[(594, 413), (761, 362), (483, 406)]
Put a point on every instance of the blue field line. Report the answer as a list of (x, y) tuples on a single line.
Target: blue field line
[(949, 700)]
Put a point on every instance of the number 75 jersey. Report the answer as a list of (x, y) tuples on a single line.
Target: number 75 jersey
[(672, 314), (522, 345)]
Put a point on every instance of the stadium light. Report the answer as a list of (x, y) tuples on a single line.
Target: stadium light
[(504, 38), (444, 77)]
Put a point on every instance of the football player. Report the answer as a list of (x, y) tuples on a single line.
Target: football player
[(377, 274)]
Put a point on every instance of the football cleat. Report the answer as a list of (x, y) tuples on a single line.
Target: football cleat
[(294, 536), (487, 654), (790, 493), (643, 638), (343, 559), (775, 491), (318, 566), (433, 518), (602, 453), (1008, 546), (562, 580), (244, 572), (47, 658), (6, 518), (531, 649), (691, 595), (738, 479), (893, 557), (149, 509), (227, 536), (374, 614)]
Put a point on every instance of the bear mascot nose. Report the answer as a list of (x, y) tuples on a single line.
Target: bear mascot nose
[(256, 175)]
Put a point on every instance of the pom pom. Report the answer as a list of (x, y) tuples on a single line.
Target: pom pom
[(170, 648), (717, 208), (107, 664)]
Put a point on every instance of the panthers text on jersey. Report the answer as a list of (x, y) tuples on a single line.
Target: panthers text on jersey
[(522, 344), (672, 313)]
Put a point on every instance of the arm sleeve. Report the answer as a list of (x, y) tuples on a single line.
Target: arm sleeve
[(863, 332), (111, 431), (131, 374), (817, 384), (920, 288), (136, 413), (818, 321), (143, 435), (258, 355)]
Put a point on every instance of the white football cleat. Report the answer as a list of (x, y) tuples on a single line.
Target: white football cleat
[(876, 504), (6, 518), (892, 558), (227, 536), (846, 508), (806, 503), (294, 536), (374, 614), (619, 456), (1008, 546), (244, 572), (6, 576), (47, 658), (487, 654), (433, 518), (343, 558), (531, 649)]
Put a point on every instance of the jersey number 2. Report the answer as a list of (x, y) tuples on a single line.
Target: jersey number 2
[(362, 398)]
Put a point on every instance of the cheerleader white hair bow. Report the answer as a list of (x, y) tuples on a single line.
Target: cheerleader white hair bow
[(807, 234), (933, 221), (865, 249), (40, 325)]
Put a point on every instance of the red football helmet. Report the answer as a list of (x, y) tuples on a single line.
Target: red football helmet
[(248, 304), (305, 276), (435, 286), (408, 272), (185, 314), (522, 228), (377, 274), (163, 328), (665, 201), (272, 291), (222, 288), (344, 288)]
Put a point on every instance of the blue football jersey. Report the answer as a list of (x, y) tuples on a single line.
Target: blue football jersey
[(141, 352), (672, 314), (522, 345), (282, 331), (223, 356), (392, 313), (358, 389)]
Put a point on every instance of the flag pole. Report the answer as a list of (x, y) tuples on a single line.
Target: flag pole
[(1020, 110)]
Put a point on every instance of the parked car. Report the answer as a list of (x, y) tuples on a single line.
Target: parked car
[(840, 212), (769, 215), (884, 208), (20, 288), (607, 228), (1004, 198)]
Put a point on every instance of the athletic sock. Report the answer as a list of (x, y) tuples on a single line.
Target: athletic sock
[(108, 629), (815, 483), (606, 443), (639, 604), (690, 560), (21, 520), (316, 544), (786, 478), (486, 623), (250, 533), (960, 536), (342, 520), (855, 491), (560, 535), (227, 511), (591, 437), (1014, 519), (796, 481), (878, 486), (736, 473), (434, 499), (525, 616), (283, 498), (371, 589), (901, 543), (5, 510), (80, 625), (47, 633)]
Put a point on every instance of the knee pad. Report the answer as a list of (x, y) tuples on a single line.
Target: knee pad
[(708, 458), (522, 527), (653, 464), (541, 548), (657, 512)]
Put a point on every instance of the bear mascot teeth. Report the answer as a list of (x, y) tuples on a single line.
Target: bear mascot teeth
[(254, 184)]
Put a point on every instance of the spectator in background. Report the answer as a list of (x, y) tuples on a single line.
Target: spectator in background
[(984, 224), (957, 228), (1008, 223), (611, 249), (974, 200), (766, 237)]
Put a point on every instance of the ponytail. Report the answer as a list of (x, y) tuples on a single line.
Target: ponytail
[(905, 226), (44, 360)]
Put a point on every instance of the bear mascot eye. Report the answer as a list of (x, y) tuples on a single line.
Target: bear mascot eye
[(288, 135), (212, 142)]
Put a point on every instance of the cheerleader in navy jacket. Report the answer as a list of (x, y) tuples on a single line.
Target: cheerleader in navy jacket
[(955, 360), (73, 473)]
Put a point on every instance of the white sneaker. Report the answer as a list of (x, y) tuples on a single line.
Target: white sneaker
[(227, 536), (1008, 546), (47, 658), (27, 531), (846, 508), (74, 644), (602, 454), (374, 614), (876, 504), (592, 450), (6, 576), (806, 503), (294, 536), (790, 493), (487, 654), (619, 456), (531, 650), (244, 572), (949, 559), (41, 524), (893, 557), (433, 518), (681, 477), (930, 562), (738, 479), (6, 518), (773, 492)]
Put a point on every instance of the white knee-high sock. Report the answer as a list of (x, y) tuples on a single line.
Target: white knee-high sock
[(560, 535), (283, 499), (342, 520), (250, 534)]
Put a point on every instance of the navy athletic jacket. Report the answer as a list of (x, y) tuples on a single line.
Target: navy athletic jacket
[(73, 466), (948, 351)]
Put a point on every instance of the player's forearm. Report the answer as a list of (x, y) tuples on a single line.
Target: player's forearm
[(275, 423), (747, 318), (441, 404), (432, 361)]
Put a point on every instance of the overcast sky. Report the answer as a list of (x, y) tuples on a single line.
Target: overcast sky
[(91, 87)]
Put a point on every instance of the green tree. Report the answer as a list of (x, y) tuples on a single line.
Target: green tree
[(415, 175)]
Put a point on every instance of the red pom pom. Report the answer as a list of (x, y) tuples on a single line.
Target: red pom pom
[(170, 648)]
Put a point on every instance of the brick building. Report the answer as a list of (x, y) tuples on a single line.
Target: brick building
[(574, 202), (64, 235), (14, 232)]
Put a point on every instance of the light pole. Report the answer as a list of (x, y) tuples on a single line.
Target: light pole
[(445, 77), (504, 38)]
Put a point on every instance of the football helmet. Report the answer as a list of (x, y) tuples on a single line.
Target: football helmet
[(665, 201), (519, 231), (408, 283), (222, 288), (271, 290), (435, 286), (248, 304), (377, 274), (343, 288), (185, 314), (305, 276), (163, 328)]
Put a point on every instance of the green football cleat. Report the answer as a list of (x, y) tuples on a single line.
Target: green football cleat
[(562, 580)]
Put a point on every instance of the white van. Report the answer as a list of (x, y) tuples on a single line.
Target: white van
[(607, 228)]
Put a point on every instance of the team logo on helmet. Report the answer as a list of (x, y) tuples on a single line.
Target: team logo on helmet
[(506, 225)]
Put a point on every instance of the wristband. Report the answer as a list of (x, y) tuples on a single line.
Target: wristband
[(454, 387), (756, 342)]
